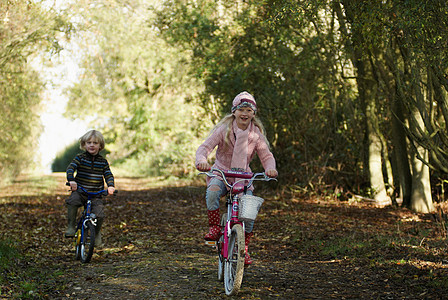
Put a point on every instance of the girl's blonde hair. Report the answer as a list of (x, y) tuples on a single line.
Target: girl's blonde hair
[(92, 134), (227, 121)]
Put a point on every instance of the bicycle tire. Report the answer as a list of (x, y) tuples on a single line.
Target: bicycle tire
[(219, 247), (220, 260), (88, 242), (234, 265), (78, 244)]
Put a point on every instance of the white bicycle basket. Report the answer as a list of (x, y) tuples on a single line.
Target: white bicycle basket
[(249, 207)]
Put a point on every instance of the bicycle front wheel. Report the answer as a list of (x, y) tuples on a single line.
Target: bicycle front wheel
[(234, 265), (78, 244), (219, 247), (88, 242)]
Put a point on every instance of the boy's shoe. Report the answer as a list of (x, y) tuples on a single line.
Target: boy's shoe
[(71, 221), (99, 224), (98, 241), (70, 233)]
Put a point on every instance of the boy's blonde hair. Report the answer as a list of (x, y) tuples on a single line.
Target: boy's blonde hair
[(92, 134)]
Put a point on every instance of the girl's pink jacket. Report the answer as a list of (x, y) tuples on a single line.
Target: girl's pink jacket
[(256, 144)]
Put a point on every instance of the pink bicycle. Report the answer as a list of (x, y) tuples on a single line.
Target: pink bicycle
[(240, 207)]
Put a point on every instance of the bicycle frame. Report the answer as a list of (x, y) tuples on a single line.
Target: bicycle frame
[(87, 215), (83, 227), (232, 201), (231, 242)]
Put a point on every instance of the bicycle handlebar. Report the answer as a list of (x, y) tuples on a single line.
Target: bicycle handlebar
[(237, 174), (104, 192)]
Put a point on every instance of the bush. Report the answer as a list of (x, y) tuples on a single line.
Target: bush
[(7, 253), (64, 158)]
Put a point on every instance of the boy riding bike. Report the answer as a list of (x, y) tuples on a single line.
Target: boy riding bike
[(91, 170)]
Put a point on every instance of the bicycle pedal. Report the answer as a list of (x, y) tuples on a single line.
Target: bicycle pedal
[(211, 243)]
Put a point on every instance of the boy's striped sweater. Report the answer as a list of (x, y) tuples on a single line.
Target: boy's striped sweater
[(90, 171)]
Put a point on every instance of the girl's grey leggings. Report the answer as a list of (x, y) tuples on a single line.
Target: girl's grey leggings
[(212, 197)]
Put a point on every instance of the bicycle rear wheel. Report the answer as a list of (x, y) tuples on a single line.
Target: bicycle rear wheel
[(88, 242), (234, 266)]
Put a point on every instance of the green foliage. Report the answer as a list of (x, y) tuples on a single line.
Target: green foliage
[(141, 96), (297, 57), (19, 278), (20, 123), (375, 247), (439, 282), (289, 57), (63, 159), (8, 253), (25, 30)]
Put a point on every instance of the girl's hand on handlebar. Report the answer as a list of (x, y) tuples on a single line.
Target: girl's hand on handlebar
[(272, 173), (203, 167), (110, 190), (73, 185)]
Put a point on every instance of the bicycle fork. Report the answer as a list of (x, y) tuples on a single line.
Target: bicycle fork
[(88, 217), (232, 210)]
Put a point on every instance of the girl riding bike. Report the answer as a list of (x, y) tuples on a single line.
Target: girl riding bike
[(238, 137)]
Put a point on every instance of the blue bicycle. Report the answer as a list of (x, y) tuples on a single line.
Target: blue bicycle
[(85, 230)]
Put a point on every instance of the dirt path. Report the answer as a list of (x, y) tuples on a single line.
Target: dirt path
[(154, 249)]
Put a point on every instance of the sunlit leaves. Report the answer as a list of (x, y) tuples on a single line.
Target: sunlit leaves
[(137, 87), (287, 54), (26, 31)]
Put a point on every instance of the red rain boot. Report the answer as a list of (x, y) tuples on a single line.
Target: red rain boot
[(214, 231), (247, 259)]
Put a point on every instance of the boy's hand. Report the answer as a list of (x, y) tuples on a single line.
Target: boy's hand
[(271, 173), (73, 185), (110, 190)]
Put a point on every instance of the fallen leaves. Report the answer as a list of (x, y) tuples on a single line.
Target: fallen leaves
[(154, 248)]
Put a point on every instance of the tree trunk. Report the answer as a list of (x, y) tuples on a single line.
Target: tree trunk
[(375, 155), (401, 152), (367, 97), (421, 198)]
